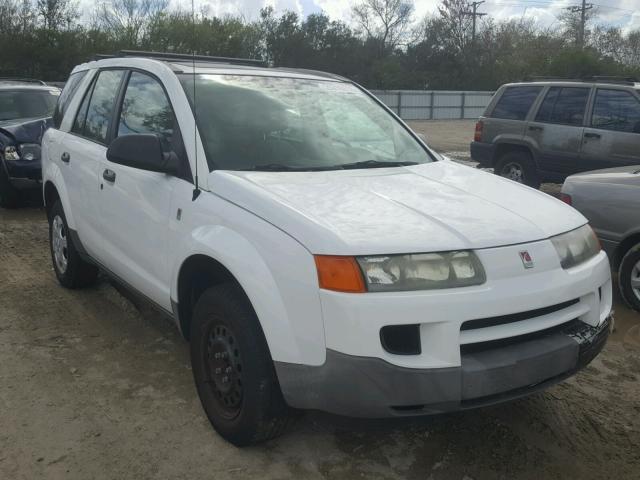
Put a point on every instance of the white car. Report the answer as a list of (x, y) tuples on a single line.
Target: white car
[(315, 252)]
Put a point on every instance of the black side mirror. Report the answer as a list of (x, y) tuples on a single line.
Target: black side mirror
[(143, 151)]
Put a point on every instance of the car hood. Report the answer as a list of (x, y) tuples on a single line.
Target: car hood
[(629, 175), (438, 206), (25, 130)]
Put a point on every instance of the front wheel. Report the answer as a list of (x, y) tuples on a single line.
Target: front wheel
[(519, 167), (629, 277), (233, 369)]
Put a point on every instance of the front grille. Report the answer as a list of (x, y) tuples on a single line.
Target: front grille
[(471, 348), (515, 317)]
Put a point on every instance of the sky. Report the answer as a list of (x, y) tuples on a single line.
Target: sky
[(620, 13)]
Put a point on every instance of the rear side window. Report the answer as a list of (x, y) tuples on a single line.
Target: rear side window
[(564, 105), (99, 111), (515, 102), (70, 88), (616, 110)]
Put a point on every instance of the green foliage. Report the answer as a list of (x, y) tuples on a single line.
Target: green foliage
[(44, 39)]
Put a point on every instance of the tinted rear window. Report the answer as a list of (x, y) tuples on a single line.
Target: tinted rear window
[(515, 102)]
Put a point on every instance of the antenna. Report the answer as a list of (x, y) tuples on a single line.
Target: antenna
[(196, 189)]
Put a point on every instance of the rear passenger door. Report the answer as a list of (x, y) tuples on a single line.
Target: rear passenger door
[(613, 137), (135, 205), (81, 154), (557, 127)]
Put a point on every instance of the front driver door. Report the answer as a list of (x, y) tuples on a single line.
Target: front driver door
[(613, 138), (135, 204)]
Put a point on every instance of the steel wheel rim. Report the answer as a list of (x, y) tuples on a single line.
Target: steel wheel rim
[(513, 171), (224, 370), (635, 280), (59, 244)]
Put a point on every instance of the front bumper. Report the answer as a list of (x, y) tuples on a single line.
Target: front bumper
[(23, 170), (371, 387)]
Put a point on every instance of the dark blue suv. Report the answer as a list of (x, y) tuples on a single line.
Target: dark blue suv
[(26, 109)]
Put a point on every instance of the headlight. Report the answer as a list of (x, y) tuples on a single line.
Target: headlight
[(11, 153), (26, 151), (576, 246), (29, 151), (424, 271)]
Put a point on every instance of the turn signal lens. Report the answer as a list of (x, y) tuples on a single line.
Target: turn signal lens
[(341, 274)]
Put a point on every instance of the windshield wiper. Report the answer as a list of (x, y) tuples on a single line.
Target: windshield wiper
[(280, 167), (376, 164)]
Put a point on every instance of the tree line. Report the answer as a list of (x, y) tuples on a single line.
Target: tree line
[(383, 47)]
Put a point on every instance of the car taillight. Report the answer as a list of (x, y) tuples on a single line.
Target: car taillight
[(565, 197), (477, 137)]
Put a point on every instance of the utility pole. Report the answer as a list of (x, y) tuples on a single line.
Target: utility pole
[(583, 20), (475, 14)]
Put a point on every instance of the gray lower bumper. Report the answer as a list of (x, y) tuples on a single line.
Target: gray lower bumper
[(371, 387)]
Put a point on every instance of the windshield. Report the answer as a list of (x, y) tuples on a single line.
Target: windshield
[(280, 124), (18, 104)]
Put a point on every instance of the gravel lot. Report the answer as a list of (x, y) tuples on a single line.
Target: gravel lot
[(93, 386)]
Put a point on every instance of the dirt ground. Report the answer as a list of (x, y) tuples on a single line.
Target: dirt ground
[(93, 387)]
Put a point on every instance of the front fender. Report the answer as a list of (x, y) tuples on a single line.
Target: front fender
[(279, 277)]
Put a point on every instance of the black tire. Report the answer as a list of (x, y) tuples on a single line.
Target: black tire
[(247, 408), (8, 194), (72, 271), (629, 277), (519, 167)]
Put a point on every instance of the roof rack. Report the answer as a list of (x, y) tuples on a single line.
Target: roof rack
[(21, 80), (169, 56), (594, 78)]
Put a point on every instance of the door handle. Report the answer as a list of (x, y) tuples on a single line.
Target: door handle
[(109, 175), (65, 157), (592, 135), (536, 128)]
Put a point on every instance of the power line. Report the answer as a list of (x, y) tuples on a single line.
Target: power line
[(475, 14)]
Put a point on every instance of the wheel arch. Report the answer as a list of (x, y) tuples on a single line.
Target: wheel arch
[(621, 250), (508, 147), (215, 254)]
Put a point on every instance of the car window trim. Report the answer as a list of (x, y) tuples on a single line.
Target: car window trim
[(593, 106), (562, 87), (91, 88)]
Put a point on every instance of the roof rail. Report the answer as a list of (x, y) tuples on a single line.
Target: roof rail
[(169, 56), (593, 78), (21, 80)]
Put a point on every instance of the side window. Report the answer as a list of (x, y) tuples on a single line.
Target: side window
[(564, 105), (102, 104), (81, 115), (515, 102), (70, 88), (146, 109), (616, 110)]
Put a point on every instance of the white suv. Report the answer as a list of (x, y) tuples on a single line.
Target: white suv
[(316, 253)]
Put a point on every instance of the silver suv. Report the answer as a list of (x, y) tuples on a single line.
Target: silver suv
[(547, 130)]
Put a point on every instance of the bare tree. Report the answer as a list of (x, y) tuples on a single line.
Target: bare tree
[(56, 14), (387, 21), (128, 19)]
